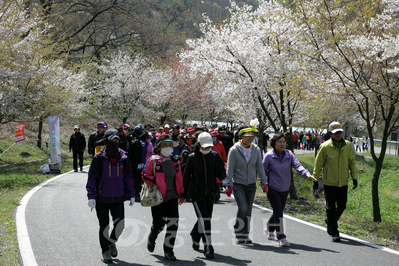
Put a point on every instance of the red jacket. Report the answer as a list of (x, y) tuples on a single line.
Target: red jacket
[(296, 137), (219, 148), (148, 176)]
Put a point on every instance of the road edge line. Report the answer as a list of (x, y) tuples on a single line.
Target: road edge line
[(25, 247), (376, 246)]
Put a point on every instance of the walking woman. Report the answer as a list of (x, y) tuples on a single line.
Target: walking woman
[(202, 168), (110, 180), (277, 164), (244, 163), (169, 180)]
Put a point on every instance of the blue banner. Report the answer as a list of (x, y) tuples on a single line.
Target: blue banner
[(55, 143)]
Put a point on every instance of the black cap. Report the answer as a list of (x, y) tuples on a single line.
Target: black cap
[(222, 128), (176, 126)]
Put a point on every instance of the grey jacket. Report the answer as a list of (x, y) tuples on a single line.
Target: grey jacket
[(241, 172)]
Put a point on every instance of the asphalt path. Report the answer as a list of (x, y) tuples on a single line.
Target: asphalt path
[(56, 227)]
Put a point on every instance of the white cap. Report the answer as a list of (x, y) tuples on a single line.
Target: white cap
[(335, 127), (205, 140), (167, 126)]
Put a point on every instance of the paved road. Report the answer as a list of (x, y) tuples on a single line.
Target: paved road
[(63, 231)]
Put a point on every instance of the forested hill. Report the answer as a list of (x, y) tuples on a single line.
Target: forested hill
[(92, 28)]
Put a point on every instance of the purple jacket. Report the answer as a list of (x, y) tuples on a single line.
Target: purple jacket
[(278, 171), (116, 182)]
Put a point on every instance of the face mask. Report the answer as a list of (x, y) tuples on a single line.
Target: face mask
[(166, 151), (205, 151), (112, 148), (214, 139)]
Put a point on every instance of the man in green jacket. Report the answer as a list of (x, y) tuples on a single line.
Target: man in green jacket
[(336, 158)]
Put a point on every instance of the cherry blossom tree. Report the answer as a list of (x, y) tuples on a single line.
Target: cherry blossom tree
[(251, 61), (125, 85), (353, 47)]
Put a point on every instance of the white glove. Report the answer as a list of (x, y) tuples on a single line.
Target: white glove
[(132, 200), (225, 182), (91, 203)]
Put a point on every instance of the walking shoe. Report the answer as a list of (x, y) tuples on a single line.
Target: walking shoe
[(81, 169), (170, 256), (107, 257), (283, 242), (336, 238), (209, 256), (248, 241), (270, 236), (195, 244), (150, 245), (328, 227), (114, 251), (75, 170), (240, 240)]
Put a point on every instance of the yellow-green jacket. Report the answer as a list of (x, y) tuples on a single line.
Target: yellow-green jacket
[(335, 164)]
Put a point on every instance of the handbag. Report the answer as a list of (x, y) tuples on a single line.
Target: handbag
[(150, 195)]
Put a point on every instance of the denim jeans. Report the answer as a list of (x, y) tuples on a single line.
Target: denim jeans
[(244, 196)]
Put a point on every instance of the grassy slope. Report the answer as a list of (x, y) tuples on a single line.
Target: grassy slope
[(357, 219), (14, 183)]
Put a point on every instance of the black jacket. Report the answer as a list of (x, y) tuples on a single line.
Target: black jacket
[(77, 142), (227, 143), (194, 174), (94, 137), (135, 152)]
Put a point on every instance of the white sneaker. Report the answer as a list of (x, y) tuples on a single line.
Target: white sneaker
[(270, 236)]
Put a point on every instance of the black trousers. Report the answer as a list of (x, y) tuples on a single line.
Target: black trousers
[(277, 200), (336, 198), (77, 154), (202, 228), (138, 181), (117, 211), (166, 213)]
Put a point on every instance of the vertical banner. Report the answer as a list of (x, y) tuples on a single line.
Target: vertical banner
[(55, 144), (20, 132)]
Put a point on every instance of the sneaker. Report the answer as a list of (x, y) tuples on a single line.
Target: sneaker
[(248, 241), (283, 242), (107, 257), (170, 256), (114, 251), (209, 256), (150, 245), (270, 236), (75, 170), (336, 238), (328, 227), (195, 244), (240, 240)]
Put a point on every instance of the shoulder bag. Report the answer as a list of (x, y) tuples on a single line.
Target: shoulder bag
[(150, 195)]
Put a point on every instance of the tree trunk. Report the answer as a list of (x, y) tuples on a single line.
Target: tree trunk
[(374, 193), (124, 120), (39, 134)]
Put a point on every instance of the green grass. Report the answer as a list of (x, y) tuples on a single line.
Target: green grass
[(22, 151), (14, 183), (357, 219)]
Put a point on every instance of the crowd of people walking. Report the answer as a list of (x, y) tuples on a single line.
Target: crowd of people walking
[(193, 165)]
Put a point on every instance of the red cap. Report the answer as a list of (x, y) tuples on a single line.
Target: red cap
[(160, 128), (214, 133), (190, 129)]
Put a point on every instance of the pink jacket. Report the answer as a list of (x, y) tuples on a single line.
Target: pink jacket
[(148, 176)]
